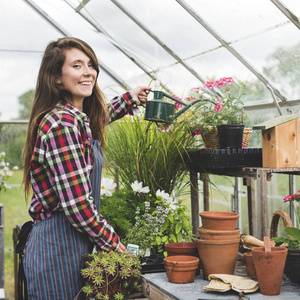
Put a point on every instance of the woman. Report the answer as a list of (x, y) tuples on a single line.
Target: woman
[(62, 162)]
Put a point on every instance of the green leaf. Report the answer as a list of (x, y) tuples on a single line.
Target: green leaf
[(173, 237), (293, 233), (158, 240), (164, 227), (164, 239), (165, 253), (178, 228), (179, 237)]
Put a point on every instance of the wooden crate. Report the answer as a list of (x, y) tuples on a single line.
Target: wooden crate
[(280, 142)]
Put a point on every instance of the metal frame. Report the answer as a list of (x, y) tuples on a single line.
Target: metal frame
[(106, 69), (230, 49)]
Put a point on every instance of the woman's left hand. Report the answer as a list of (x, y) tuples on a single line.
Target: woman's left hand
[(140, 93)]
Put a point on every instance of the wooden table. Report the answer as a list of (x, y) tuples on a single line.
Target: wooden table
[(257, 203)]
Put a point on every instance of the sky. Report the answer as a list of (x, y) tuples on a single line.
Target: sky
[(24, 35)]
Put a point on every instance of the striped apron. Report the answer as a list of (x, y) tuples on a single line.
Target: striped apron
[(54, 250)]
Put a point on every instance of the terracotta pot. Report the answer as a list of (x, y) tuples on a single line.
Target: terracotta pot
[(181, 268), (250, 267), (269, 268), (210, 234), (218, 256), (219, 220), (183, 248)]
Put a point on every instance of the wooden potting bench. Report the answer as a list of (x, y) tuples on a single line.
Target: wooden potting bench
[(257, 202)]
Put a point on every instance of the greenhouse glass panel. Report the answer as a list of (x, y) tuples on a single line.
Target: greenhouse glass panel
[(127, 33), (279, 63), (173, 25), (234, 19)]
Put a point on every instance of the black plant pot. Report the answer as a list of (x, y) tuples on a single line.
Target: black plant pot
[(231, 135), (152, 264)]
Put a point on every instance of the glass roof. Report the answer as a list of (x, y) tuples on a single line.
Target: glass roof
[(179, 43)]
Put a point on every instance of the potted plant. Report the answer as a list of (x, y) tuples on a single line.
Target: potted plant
[(153, 229), (212, 121), (292, 241), (110, 275)]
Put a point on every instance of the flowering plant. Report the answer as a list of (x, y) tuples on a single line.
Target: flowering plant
[(228, 108), (167, 223), (5, 172), (293, 233)]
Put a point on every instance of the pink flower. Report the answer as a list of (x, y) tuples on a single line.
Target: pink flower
[(178, 105), (218, 106), (210, 85), (243, 145), (290, 198)]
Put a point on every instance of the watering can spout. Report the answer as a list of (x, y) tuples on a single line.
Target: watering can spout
[(159, 110)]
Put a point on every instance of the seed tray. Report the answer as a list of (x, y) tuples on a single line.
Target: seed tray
[(212, 159)]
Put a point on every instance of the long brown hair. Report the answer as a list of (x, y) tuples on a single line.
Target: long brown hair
[(48, 93)]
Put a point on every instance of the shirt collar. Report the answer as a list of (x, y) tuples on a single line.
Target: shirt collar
[(79, 114)]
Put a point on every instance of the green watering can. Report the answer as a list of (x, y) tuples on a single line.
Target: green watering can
[(159, 110)]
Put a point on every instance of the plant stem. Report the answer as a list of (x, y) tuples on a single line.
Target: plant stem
[(297, 218)]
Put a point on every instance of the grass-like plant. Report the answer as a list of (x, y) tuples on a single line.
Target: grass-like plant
[(139, 150)]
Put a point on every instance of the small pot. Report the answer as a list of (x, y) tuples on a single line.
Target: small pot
[(218, 256), (269, 268), (182, 248), (219, 220), (250, 267), (181, 269), (210, 234)]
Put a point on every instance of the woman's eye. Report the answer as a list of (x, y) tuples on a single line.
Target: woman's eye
[(76, 66)]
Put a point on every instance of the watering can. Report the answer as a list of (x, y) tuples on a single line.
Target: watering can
[(159, 110)]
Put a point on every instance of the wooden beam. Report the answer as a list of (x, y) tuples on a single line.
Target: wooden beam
[(274, 122)]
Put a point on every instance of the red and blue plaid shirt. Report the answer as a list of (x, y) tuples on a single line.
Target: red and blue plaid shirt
[(61, 165)]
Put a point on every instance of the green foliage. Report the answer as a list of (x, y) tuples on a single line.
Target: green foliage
[(145, 229), (119, 209), (149, 155), (26, 100), (111, 275), (293, 238), (12, 140)]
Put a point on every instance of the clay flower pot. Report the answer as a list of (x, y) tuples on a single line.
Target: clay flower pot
[(182, 248), (219, 220), (218, 256), (269, 268), (210, 234), (181, 268), (250, 267)]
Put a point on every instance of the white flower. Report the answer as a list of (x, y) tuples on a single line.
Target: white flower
[(2, 163), (107, 185), (15, 168), (138, 187), (9, 173), (164, 195), (2, 154)]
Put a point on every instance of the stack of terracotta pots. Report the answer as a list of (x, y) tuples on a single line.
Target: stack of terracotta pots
[(182, 263), (218, 242)]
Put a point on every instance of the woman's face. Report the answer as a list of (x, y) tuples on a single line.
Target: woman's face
[(78, 75)]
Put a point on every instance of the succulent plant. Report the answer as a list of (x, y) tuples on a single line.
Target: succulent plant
[(111, 275)]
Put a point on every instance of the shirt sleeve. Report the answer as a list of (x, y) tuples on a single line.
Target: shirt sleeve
[(120, 106), (65, 156)]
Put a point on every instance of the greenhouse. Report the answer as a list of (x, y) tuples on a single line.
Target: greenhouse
[(173, 77)]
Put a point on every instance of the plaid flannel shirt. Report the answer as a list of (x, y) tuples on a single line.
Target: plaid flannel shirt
[(61, 165)]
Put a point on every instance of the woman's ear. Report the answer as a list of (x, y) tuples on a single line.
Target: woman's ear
[(58, 81)]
